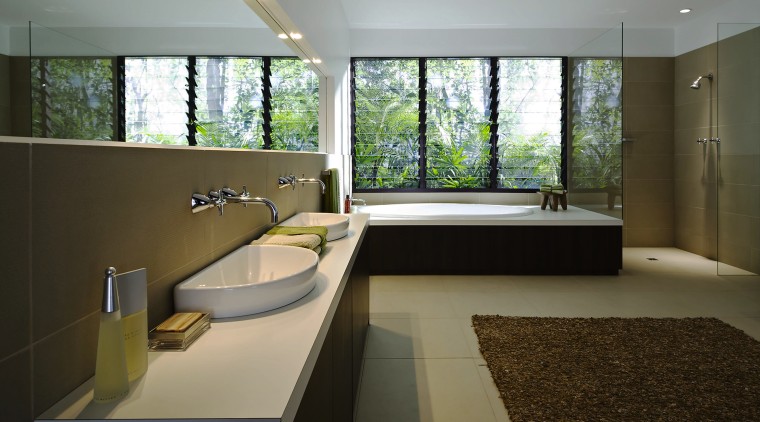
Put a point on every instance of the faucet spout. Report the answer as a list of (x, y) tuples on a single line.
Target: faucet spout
[(321, 183), (256, 200)]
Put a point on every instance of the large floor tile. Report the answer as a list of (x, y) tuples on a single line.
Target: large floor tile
[(406, 304), (422, 390), (390, 283), (509, 302), (423, 361), (416, 338), (492, 393)]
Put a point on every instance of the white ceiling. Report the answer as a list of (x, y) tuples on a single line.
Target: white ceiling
[(363, 14), (444, 14)]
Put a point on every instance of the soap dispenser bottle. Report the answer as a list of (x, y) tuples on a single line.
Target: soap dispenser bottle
[(111, 381)]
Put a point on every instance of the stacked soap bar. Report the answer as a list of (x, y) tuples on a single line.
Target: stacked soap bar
[(555, 188), (179, 331)]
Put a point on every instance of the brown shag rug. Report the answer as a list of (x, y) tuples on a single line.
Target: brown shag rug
[(621, 369)]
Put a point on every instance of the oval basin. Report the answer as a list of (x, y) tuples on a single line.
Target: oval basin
[(252, 279), (337, 224)]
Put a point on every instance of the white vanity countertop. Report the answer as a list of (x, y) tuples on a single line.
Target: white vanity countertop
[(251, 368), (573, 216)]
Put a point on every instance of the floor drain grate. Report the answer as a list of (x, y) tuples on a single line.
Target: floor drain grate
[(652, 259)]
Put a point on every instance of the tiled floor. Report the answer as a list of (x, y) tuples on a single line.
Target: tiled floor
[(422, 361)]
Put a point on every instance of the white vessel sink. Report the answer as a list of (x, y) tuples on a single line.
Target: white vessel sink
[(337, 224), (252, 279)]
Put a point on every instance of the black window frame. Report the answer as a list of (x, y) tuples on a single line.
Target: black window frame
[(422, 164)]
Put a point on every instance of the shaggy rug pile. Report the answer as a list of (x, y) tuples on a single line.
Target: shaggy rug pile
[(621, 369)]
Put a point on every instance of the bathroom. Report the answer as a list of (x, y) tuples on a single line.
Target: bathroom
[(125, 205)]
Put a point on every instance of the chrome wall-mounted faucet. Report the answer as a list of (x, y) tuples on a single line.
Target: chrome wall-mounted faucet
[(217, 198), (200, 202), (302, 180), (225, 195), (286, 181), (245, 198)]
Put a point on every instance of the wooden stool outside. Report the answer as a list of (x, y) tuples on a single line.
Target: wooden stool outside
[(554, 199)]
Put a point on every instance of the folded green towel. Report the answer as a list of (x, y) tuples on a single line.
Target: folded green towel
[(307, 241), (320, 231)]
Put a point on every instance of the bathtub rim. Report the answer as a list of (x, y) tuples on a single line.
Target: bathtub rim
[(573, 216)]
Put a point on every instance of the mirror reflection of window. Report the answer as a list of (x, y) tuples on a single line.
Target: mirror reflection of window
[(72, 98), (228, 102), (597, 118), (156, 100), (295, 105)]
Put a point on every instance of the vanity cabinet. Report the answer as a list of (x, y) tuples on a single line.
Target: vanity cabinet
[(332, 388)]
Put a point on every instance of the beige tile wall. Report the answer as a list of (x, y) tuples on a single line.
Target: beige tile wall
[(648, 157), (695, 165), (738, 126), (78, 209), (717, 187)]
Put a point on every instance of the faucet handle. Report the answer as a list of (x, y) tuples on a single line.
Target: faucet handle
[(227, 192), (245, 193), (217, 197)]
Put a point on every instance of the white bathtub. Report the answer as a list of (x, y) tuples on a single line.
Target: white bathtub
[(444, 211)]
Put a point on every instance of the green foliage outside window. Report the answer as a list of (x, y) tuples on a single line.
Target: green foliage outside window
[(72, 98)]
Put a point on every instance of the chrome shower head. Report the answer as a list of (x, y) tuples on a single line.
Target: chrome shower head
[(696, 84)]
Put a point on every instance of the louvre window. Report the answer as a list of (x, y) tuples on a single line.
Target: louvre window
[(386, 142), (458, 123), (530, 122)]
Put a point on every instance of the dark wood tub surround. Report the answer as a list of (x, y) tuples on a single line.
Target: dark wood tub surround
[(507, 249)]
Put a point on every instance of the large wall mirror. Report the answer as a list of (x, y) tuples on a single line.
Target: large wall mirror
[(182, 72)]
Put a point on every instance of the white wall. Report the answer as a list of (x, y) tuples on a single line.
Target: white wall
[(703, 30), (508, 42)]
